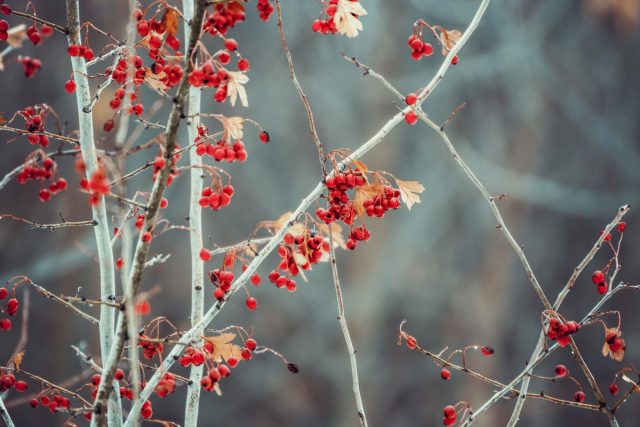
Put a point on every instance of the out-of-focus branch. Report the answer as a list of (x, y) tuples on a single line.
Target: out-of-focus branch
[(51, 227), (89, 156), (345, 331)]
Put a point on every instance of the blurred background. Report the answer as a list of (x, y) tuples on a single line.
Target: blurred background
[(551, 119)]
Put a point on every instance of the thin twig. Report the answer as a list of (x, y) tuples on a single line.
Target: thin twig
[(51, 227), (345, 331)]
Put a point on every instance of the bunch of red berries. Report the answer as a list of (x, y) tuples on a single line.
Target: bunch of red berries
[(166, 385), (450, 415), (358, 234), (193, 356), (8, 380), (615, 342), (206, 75), (419, 47), (225, 16), (561, 331), (222, 279), (265, 8), (46, 171), (340, 207), (76, 50), (600, 280), (150, 349), (216, 199), (55, 403), (223, 151), (97, 186), (379, 204), (119, 72), (214, 375)]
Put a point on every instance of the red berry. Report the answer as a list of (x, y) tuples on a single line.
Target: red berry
[(20, 386), (578, 397), (412, 343), (613, 389), (264, 137), (5, 324), (411, 117), (95, 380), (449, 412), (119, 375), (256, 279), (252, 303), (445, 374), (487, 350), (251, 344), (34, 403), (230, 44), (245, 354), (3, 293), (560, 371), (598, 277), (146, 237), (70, 86), (622, 226), (244, 65), (427, 49), (411, 99), (205, 254), (232, 361)]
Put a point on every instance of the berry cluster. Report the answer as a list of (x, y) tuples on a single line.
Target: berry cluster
[(379, 204), (225, 16), (8, 380), (97, 186), (340, 207), (166, 385), (150, 349), (216, 199), (615, 345), (561, 331), (419, 47), (358, 234), (55, 403), (4, 30), (34, 119), (76, 50), (223, 151), (222, 280), (600, 280), (43, 172), (450, 415), (265, 9)]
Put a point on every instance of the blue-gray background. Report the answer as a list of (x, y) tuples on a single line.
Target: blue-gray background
[(550, 120)]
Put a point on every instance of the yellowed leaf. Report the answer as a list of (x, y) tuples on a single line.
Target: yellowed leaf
[(233, 127), (155, 80), (346, 17), (363, 193), (360, 165), (223, 347), (17, 35), (448, 38), (17, 359), (409, 191), (170, 21), (235, 88)]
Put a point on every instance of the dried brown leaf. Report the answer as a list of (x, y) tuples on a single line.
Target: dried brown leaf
[(223, 347), (346, 17), (17, 359), (233, 127), (448, 38), (17, 35), (409, 192), (363, 193), (170, 21)]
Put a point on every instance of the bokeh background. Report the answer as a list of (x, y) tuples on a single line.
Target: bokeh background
[(551, 119)]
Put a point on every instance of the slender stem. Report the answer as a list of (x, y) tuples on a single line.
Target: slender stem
[(345, 331), (34, 18), (5, 414), (192, 405), (103, 241), (303, 97)]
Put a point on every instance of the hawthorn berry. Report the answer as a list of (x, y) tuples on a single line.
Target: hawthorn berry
[(622, 226), (119, 375), (3, 293), (12, 307), (34, 403), (450, 415), (232, 362), (245, 354), (252, 303), (20, 386), (205, 254), (445, 374), (578, 396), (256, 279), (5, 325), (598, 277), (411, 118), (411, 99), (251, 344), (487, 350), (146, 237), (560, 371)]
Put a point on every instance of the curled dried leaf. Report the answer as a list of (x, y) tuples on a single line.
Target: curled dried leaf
[(224, 348), (233, 127), (17, 359), (170, 21), (409, 192), (17, 35), (235, 88), (365, 192), (346, 17), (448, 38)]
